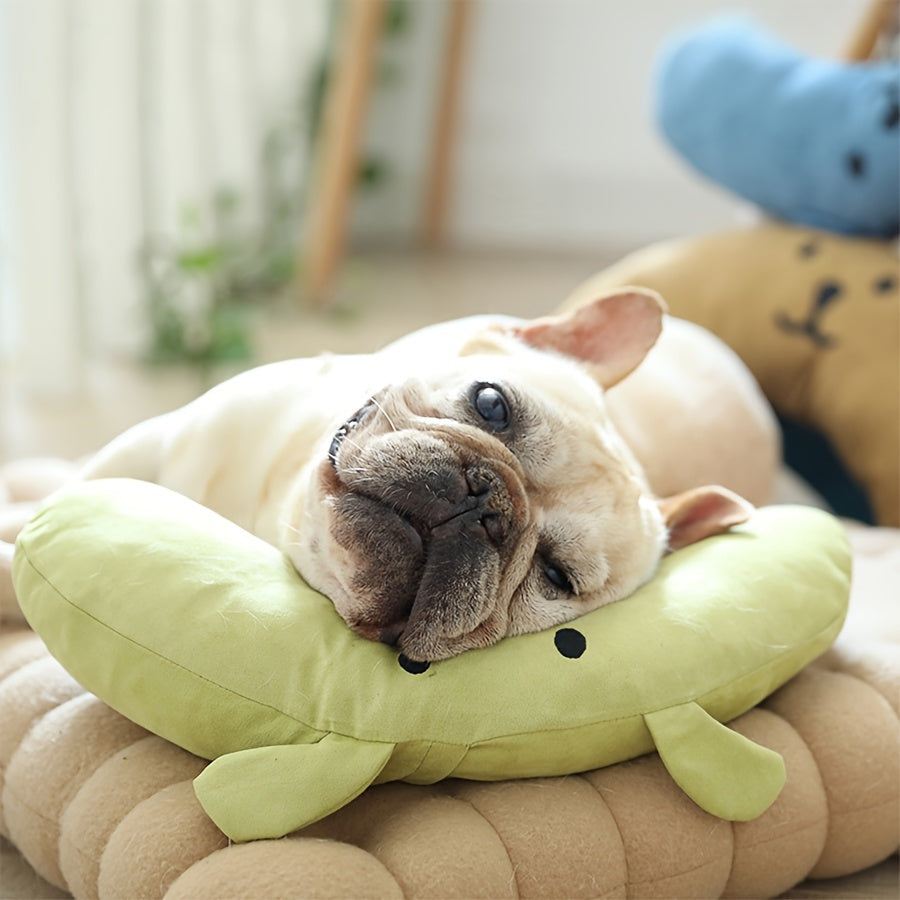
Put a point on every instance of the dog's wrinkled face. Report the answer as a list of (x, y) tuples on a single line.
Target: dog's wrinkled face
[(455, 509), (489, 496)]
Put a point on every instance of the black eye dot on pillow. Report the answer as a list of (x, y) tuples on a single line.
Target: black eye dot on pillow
[(413, 666), (570, 643), (856, 164), (885, 284), (892, 117), (808, 248)]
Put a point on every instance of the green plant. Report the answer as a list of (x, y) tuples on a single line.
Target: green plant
[(202, 284)]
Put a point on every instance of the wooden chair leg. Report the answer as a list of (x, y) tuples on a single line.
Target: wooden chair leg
[(336, 165), (440, 173), (874, 23)]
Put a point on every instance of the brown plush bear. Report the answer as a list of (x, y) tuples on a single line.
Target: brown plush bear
[(816, 318)]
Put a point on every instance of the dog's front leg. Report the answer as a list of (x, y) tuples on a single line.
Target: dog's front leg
[(136, 453), (10, 614)]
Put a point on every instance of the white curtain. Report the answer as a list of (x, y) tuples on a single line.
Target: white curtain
[(120, 121)]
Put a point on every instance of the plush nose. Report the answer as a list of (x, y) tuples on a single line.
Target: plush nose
[(828, 293)]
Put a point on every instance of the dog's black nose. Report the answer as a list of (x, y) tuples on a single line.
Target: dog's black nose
[(479, 481), (496, 526), (494, 514)]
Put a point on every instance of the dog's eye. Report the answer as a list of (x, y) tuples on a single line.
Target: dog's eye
[(492, 406), (558, 578)]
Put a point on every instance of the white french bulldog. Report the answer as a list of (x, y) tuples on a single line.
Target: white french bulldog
[(463, 484)]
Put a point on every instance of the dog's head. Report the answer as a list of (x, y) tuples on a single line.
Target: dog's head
[(490, 495)]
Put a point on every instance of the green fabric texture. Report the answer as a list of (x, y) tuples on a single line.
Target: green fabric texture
[(205, 635), (702, 755)]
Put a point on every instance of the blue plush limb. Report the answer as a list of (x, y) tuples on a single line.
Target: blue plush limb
[(812, 141)]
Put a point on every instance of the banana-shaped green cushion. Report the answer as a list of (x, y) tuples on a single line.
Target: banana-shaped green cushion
[(205, 635)]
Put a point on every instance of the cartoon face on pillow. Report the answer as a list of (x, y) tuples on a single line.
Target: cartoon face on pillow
[(812, 141), (816, 318)]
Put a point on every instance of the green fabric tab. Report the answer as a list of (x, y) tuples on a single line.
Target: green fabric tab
[(269, 792), (722, 771)]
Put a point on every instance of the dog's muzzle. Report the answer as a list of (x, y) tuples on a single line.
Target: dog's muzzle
[(478, 518), (429, 525), (464, 521)]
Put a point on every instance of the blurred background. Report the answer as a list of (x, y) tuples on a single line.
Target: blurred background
[(190, 187)]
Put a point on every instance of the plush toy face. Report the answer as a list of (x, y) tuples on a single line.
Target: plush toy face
[(816, 318), (838, 291), (202, 633), (812, 141)]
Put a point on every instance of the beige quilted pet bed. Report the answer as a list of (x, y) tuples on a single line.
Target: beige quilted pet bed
[(99, 807)]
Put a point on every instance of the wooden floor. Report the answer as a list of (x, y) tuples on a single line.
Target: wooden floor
[(379, 297)]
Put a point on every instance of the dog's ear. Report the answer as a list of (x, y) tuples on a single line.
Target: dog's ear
[(610, 335), (702, 512)]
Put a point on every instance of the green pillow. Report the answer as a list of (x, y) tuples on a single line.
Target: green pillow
[(204, 634)]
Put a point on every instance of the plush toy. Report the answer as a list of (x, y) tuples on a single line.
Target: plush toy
[(811, 141), (301, 715), (816, 318), (101, 808)]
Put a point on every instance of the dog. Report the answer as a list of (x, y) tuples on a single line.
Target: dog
[(463, 484)]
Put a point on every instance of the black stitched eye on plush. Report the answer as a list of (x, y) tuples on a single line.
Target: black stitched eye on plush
[(885, 284), (892, 117), (856, 164), (557, 577), (492, 406)]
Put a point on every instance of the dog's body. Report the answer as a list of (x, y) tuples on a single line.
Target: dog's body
[(481, 489)]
